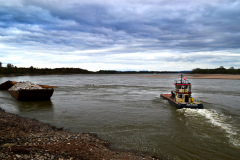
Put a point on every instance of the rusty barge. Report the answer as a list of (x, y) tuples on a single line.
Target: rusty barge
[(44, 92)]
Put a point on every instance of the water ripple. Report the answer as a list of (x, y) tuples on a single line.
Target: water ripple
[(219, 120)]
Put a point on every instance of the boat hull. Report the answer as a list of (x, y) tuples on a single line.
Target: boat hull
[(6, 85), (32, 95), (182, 105)]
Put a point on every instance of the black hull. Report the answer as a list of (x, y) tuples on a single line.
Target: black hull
[(6, 85), (32, 95), (180, 106)]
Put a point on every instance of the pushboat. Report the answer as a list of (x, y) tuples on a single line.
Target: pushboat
[(181, 96), (28, 94)]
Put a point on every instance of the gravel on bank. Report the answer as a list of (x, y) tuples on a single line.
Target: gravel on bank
[(25, 138)]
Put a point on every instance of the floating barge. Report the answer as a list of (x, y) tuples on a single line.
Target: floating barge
[(32, 95), (181, 97), (6, 85), (45, 93)]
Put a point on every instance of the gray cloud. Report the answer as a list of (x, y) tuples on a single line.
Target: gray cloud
[(102, 29)]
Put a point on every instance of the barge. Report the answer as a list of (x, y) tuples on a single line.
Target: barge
[(32, 94), (28, 93), (181, 96)]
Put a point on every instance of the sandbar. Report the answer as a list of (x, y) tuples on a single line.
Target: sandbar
[(214, 76)]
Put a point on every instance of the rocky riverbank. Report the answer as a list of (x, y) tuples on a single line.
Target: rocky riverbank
[(25, 138)]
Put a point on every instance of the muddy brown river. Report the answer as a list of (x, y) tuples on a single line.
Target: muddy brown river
[(127, 111)]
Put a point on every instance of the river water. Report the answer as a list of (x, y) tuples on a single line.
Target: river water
[(127, 111)]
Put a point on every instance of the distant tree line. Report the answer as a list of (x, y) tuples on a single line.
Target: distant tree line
[(14, 70), (220, 70), (11, 69), (132, 72)]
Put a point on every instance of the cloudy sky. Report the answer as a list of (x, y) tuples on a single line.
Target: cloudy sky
[(136, 35)]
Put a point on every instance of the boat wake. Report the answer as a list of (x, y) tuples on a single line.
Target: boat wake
[(219, 120)]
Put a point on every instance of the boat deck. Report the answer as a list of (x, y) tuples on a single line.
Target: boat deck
[(166, 96), (182, 105)]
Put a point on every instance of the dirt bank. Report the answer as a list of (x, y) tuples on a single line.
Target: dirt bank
[(196, 76), (213, 76), (25, 138)]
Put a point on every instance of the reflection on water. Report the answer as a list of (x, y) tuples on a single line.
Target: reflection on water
[(42, 106), (127, 111), (41, 110)]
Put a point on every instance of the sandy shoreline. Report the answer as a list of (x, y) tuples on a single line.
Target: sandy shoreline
[(214, 76), (197, 76), (25, 138)]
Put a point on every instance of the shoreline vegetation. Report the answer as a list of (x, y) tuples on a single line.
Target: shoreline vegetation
[(217, 73), (25, 138), (19, 71)]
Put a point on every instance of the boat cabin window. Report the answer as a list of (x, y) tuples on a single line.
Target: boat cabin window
[(180, 96), (181, 87), (184, 87)]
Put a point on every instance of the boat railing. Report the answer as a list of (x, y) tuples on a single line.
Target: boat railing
[(181, 81), (197, 101)]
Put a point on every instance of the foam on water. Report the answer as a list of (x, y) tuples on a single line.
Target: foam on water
[(219, 120)]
